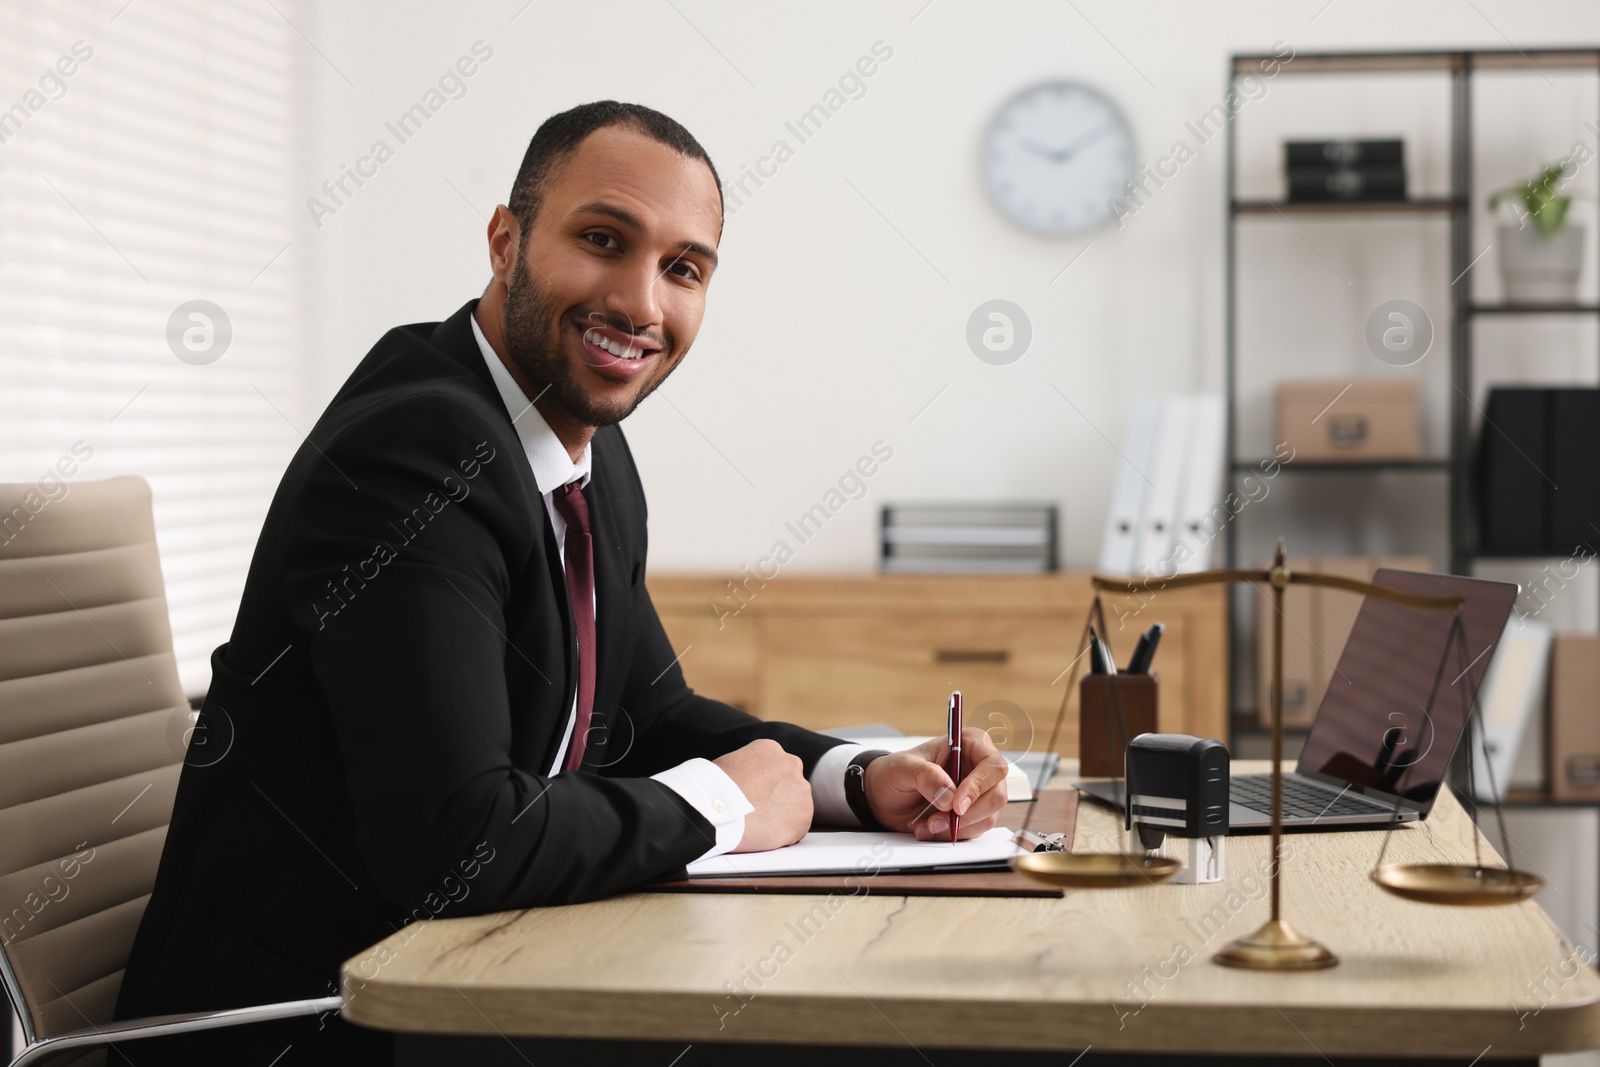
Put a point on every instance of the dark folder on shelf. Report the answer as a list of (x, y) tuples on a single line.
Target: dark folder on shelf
[(1539, 449), (1514, 469), (1575, 468)]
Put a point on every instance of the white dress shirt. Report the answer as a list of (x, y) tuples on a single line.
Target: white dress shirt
[(706, 787)]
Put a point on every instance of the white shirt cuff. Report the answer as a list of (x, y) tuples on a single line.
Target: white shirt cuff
[(828, 805), (710, 791)]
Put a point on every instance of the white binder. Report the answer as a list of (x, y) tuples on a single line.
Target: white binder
[(1119, 547), (1167, 474), (1513, 692), (1201, 511)]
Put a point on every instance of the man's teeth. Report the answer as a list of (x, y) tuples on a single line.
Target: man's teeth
[(596, 338)]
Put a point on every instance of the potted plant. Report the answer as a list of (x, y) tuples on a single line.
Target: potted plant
[(1539, 263)]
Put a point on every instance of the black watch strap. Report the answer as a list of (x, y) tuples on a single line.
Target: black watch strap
[(855, 788)]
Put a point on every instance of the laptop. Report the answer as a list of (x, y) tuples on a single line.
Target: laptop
[(1375, 754)]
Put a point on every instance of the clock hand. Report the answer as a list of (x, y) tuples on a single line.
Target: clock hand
[(1083, 142), (1062, 155), (1038, 149)]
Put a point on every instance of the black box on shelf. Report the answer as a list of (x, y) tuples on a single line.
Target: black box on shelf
[(1538, 490), (1326, 184), (1389, 152), (1332, 171)]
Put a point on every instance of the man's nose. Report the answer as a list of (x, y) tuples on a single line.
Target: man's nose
[(634, 295)]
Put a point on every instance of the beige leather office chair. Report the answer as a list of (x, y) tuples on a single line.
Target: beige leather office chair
[(93, 728)]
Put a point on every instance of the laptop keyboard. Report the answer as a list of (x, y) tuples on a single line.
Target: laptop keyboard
[(1300, 798)]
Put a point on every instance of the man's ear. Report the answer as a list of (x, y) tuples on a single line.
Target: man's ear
[(505, 243)]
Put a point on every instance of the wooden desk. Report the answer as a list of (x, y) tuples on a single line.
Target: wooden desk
[(1117, 970)]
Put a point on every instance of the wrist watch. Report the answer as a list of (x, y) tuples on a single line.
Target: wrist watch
[(855, 788)]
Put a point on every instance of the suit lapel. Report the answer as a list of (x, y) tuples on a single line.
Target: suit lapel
[(454, 337), (612, 564)]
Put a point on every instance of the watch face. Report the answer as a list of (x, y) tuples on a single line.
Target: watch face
[(1057, 158)]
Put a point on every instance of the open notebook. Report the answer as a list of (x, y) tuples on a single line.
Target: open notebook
[(852, 851)]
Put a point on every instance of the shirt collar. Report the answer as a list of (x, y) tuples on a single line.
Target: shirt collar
[(552, 466)]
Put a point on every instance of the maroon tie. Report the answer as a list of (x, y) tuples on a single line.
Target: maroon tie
[(579, 553)]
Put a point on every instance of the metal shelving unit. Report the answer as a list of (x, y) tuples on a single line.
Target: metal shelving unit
[(1419, 206), (1459, 67), (1438, 464)]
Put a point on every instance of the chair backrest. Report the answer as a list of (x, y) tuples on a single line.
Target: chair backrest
[(93, 724)]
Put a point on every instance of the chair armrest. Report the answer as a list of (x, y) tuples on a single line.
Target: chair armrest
[(160, 1025)]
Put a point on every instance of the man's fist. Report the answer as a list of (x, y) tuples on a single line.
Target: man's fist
[(912, 791), (775, 783)]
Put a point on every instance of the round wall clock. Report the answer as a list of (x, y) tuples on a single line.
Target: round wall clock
[(1057, 157)]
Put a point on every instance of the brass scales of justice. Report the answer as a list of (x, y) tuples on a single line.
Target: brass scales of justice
[(1276, 946)]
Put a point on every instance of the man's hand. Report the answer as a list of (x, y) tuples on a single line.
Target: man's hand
[(911, 790), (775, 783)]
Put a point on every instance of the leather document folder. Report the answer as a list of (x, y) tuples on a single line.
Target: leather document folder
[(1055, 812)]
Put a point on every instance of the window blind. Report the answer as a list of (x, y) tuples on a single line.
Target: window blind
[(149, 158)]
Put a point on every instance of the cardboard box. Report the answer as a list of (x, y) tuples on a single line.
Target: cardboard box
[(1575, 717), (1317, 623), (1363, 421)]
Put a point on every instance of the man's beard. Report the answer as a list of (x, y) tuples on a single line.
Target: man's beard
[(530, 312)]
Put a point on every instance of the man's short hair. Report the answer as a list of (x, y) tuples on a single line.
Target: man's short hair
[(559, 136)]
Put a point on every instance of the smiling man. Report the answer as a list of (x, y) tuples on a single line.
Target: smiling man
[(447, 691)]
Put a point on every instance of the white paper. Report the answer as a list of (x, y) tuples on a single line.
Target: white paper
[(858, 852)]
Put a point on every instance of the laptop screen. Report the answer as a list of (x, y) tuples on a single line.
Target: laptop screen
[(1374, 729)]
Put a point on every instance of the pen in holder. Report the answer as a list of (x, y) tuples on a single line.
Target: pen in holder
[(1103, 733)]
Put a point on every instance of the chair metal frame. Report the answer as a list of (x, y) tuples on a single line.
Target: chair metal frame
[(38, 1049)]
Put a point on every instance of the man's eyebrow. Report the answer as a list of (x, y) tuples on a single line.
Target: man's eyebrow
[(631, 221)]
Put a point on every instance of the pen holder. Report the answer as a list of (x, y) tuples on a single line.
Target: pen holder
[(1101, 743)]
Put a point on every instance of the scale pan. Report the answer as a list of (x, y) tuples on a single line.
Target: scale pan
[(1095, 870), (1457, 884)]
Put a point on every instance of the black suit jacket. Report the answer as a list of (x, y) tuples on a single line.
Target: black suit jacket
[(374, 744)]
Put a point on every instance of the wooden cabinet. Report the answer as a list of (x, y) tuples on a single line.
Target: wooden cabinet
[(828, 652)]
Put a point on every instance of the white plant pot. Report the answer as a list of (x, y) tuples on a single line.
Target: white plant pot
[(1538, 269)]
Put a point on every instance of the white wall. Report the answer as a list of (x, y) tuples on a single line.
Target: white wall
[(828, 330)]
